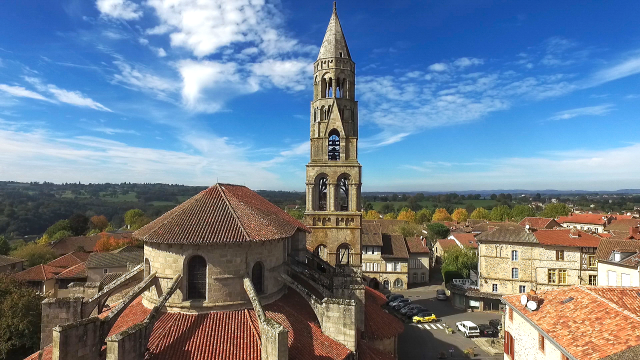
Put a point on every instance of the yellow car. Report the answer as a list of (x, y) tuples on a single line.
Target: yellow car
[(425, 317)]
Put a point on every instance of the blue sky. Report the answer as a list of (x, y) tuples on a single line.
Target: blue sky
[(453, 95)]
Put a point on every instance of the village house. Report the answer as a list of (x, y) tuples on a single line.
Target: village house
[(40, 277), (441, 246), (419, 260), (515, 259), (10, 264), (576, 322), (586, 222), (621, 227), (118, 261), (618, 262), (539, 223)]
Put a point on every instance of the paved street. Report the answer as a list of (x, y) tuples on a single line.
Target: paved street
[(426, 341)]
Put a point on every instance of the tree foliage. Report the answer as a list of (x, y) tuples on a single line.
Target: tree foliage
[(109, 243), (4, 246), (460, 260), (79, 224), (62, 225), (441, 214), (371, 215), (34, 254), (460, 215), (99, 222), (131, 216), (390, 216), (436, 231), (61, 235), (500, 213), (555, 210), (480, 214), (296, 214), (20, 316), (520, 212), (407, 215), (410, 230), (423, 216)]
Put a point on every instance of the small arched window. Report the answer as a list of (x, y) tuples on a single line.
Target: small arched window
[(323, 88), (147, 267), (334, 145), (343, 193), (385, 284), (197, 278), (321, 186), (257, 277), (397, 283), (343, 254)]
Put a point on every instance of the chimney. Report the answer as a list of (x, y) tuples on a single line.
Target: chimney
[(532, 292), (574, 233)]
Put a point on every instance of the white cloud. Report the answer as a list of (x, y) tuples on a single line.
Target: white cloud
[(140, 79), (119, 9), (626, 68), (465, 61), (584, 111), (160, 52), (438, 67), (113, 131), (285, 74), (19, 91), (75, 98)]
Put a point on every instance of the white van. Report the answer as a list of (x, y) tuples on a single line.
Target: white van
[(468, 328)]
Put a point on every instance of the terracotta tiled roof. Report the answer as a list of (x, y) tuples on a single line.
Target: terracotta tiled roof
[(447, 243), (598, 322), (415, 246), (490, 225), (465, 239), (608, 246), (38, 273), (393, 246), (75, 272), (69, 260), (6, 260), (370, 352), (537, 222), (594, 219), (512, 233), (622, 225), (387, 226), (221, 214), (47, 353), (88, 243), (563, 237), (371, 234), (604, 235), (379, 324)]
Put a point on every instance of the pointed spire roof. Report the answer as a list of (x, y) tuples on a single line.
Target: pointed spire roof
[(334, 42)]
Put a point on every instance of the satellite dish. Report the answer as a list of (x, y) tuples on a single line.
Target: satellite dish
[(523, 300), (527, 226), (532, 305)]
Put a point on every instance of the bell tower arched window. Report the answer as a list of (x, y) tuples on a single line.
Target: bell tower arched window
[(197, 278), (321, 186), (334, 145), (343, 193), (343, 254), (257, 277)]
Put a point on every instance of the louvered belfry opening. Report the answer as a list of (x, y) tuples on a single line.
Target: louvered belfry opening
[(197, 280), (257, 277)]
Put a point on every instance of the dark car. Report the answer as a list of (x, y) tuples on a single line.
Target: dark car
[(401, 303), (407, 308), (394, 297), (441, 294), (390, 295), (415, 311), (487, 331), (392, 303), (496, 324)]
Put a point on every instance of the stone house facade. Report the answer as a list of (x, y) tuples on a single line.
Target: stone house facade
[(419, 260), (515, 259), (10, 264), (618, 262)]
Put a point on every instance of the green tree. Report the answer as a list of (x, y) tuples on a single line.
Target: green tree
[(79, 224), (500, 213), (4, 246), (34, 254), (409, 230), (423, 216), (520, 212), (296, 214), (480, 214), (140, 222), (20, 320), (458, 260), (131, 216), (390, 216), (555, 210), (387, 208), (61, 235), (61, 225), (436, 231)]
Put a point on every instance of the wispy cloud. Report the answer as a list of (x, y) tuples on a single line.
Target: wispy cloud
[(119, 9), (66, 96), (113, 131), (597, 110), (20, 91), (621, 70)]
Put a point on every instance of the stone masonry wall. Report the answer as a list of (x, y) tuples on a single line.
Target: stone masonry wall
[(77, 341), (227, 265), (526, 341), (56, 312), (338, 321)]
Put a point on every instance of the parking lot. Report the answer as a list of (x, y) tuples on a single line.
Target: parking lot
[(426, 341)]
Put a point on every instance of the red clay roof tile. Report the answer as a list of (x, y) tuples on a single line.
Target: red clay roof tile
[(563, 237), (537, 222), (69, 260), (38, 273), (379, 324), (415, 246), (594, 219), (75, 272)]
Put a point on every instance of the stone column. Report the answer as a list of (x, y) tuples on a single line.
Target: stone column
[(331, 196), (310, 198)]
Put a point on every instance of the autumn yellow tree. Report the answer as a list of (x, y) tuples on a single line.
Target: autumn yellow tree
[(99, 222), (460, 215), (390, 216), (407, 215), (371, 215), (480, 214), (441, 215)]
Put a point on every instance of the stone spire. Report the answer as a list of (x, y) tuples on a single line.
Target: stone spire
[(334, 42)]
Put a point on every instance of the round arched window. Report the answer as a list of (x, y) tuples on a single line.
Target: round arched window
[(257, 277), (397, 283), (197, 278)]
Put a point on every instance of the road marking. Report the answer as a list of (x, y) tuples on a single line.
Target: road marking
[(439, 326), (421, 326), (433, 326)]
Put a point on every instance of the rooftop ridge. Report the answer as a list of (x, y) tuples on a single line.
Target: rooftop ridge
[(610, 303), (233, 211)]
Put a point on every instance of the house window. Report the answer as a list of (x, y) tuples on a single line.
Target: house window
[(562, 276), (495, 288), (390, 266), (514, 273), (423, 277), (397, 265), (105, 271), (397, 283), (197, 278), (593, 280), (514, 255), (626, 280), (522, 289), (559, 255), (376, 267), (415, 277), (508, 345), (592, 261), (612, 278), (553, 276), (541, 342)]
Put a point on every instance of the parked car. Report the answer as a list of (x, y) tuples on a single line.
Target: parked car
[(496, 324), (390, 295), (487, 330), (401, 303), (441, 295), (415, 311), (424, 317), (409, 308), (468, 329), (394, 302), (394, 297)]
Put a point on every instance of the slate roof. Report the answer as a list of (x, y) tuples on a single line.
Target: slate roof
[(371, 234), (75, 272), (562, 237), (222, 213), (594, 219), (415, 246), (537, 222), (38, 273), (393, 246), (112, 259), (69, 260), (465, 239), (608, 246), (508, 234), (7, 260), (490, 225), (598, 322)]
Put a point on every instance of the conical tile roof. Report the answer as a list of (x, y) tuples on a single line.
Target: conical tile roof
[(223, 213), (334, 42)]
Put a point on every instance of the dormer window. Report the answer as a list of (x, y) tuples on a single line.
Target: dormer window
[(616, 256)]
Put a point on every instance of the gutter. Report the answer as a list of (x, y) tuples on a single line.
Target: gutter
[(546, 336)]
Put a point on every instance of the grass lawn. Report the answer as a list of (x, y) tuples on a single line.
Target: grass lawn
[(159, 203), (430, 204), (129, 197)]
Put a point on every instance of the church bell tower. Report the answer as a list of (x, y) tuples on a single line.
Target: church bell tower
[(334, 173)]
